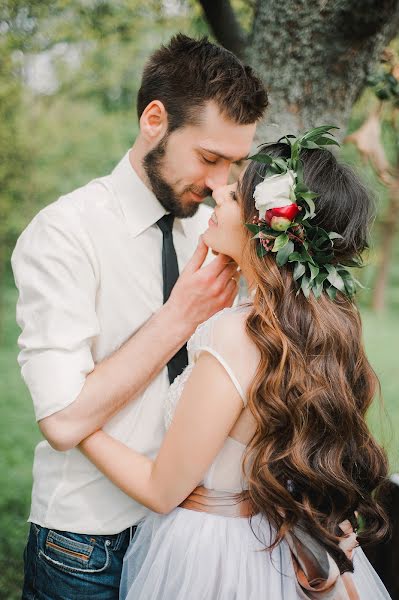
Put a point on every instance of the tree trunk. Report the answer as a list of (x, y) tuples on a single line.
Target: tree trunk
[(313, 55)]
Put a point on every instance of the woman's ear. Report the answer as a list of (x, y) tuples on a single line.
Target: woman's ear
[(154, 121)]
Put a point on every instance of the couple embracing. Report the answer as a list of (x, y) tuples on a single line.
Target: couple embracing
[(198, 448)]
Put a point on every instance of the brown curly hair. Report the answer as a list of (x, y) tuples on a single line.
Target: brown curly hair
[(312, 457)]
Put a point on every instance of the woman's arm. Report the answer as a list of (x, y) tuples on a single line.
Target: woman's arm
[(206, 413)]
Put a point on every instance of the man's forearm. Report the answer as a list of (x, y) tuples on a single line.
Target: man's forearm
[(118, 379)]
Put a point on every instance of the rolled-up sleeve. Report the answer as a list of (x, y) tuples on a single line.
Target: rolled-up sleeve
[(55, 272)]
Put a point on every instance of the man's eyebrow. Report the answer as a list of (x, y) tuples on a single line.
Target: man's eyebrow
[(220, 155)]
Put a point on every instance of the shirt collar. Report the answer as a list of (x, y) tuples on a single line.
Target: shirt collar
[(139, 204)]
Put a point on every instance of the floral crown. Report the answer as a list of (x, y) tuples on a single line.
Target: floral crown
[(284, 226)]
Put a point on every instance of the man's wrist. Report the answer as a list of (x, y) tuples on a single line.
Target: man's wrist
[(178, 325)]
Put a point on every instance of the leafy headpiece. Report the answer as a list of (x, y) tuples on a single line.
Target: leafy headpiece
[(284, 226)]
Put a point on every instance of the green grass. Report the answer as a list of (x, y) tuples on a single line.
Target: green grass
[(19, 432), (19, 435), (381, 339)]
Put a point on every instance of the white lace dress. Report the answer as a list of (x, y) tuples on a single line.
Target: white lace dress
[(189, 555)]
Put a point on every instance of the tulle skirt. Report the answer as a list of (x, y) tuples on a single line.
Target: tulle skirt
[(189, 555)]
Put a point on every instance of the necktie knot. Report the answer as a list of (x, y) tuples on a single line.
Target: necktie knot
[(165, 223)]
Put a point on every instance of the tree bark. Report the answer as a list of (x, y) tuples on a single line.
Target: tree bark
[(313, 55)]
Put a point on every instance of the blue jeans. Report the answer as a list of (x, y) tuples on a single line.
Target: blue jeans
[(69, 566)]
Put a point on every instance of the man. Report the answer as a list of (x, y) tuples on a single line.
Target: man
[(102, 333)]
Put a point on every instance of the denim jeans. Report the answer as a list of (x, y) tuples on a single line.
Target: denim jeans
[(68, 566)]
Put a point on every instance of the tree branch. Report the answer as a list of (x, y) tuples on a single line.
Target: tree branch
[(365, 19), (225, 27)]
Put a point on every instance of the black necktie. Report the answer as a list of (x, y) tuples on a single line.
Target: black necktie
[(170, 272)]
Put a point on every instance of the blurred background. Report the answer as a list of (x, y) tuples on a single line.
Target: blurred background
[(69, 74)]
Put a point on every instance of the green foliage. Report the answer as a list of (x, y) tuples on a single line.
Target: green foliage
[(15, 160), (385, 86)]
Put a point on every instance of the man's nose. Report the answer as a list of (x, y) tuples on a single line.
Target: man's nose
[(219, 194), (218, 177)]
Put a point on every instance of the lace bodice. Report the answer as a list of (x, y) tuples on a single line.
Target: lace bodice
[(215, 336)]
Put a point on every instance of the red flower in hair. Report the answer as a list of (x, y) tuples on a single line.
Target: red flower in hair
[(281, 218)]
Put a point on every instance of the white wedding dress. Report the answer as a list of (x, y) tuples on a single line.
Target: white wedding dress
[(189, 555)]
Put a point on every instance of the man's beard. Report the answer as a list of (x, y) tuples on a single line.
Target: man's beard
[(164, 192)]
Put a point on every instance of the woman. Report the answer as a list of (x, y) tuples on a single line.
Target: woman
[(267, 423)]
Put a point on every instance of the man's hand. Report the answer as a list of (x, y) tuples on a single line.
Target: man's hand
[(201, 292), (119, 378)]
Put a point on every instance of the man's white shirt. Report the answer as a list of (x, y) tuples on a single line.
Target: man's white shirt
[(89, 273)]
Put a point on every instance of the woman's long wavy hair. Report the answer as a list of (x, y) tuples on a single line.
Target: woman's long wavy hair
[(312, 458)]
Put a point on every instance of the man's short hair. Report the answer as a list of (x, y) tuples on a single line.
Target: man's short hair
[(186, 73)]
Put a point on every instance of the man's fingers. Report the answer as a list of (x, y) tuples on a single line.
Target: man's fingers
[(231, 292), (215, 268), (229, 272), (197, 259), (225, 284), (233, 286)]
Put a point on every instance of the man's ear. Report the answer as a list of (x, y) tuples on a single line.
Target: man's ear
[(154, 121)]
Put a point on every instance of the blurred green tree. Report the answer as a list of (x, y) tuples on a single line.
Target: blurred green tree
[(17, 23), (69, 76), (368, 140)]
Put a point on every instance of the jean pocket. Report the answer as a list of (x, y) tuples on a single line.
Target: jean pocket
[(66, 552)]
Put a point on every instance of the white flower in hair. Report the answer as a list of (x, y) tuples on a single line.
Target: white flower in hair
[(274, 192)]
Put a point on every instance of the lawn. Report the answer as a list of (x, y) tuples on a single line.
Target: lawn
[(381, 334), (19, 433)]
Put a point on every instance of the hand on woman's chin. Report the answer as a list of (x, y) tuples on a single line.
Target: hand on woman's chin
[(205, 239)]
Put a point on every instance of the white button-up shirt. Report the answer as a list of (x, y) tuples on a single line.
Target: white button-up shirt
[(89, 273)]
